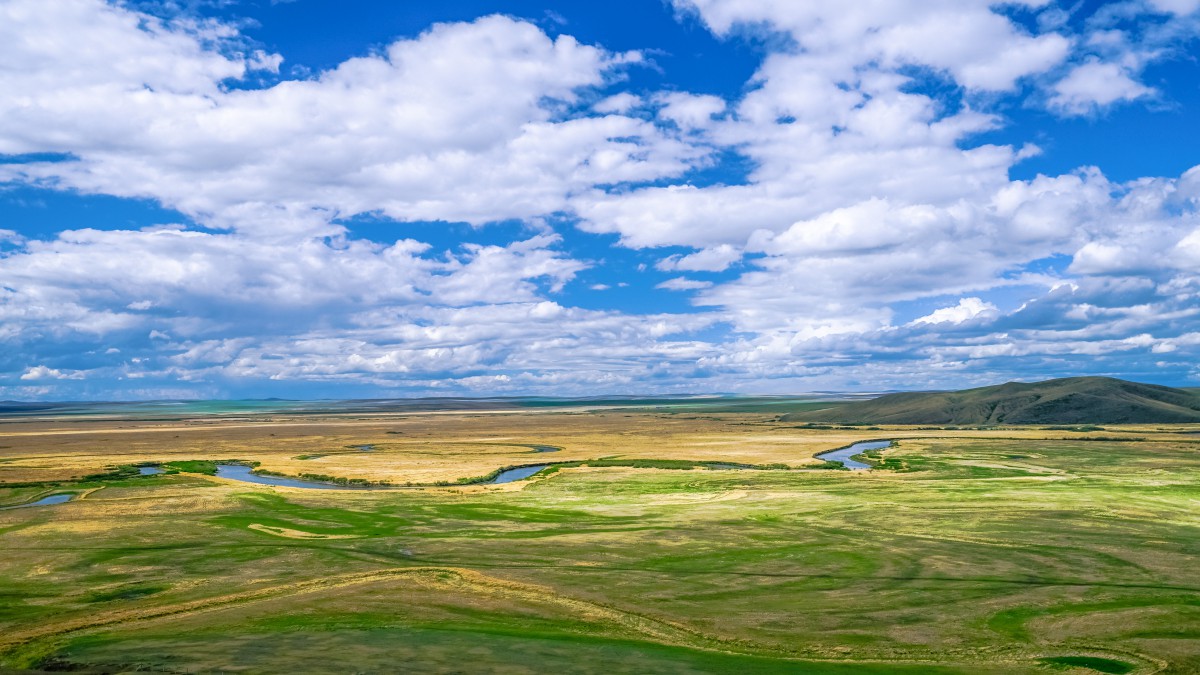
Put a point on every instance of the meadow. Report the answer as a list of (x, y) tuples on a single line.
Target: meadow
[(990, 550)]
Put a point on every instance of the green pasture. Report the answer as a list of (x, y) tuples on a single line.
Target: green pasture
[(975, 556)]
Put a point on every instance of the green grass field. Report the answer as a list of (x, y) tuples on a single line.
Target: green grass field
[(976, 556)]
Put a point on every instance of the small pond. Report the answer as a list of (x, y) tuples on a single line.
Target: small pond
[(44, 501), (843, 455), (149, 470)]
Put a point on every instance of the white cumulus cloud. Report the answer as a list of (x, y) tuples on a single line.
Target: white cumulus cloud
[(967, 309), (862, 186), (1096, 85)]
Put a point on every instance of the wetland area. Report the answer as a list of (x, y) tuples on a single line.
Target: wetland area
[(650, 541)]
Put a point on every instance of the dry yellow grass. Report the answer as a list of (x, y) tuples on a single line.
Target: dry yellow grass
[(290, 533)]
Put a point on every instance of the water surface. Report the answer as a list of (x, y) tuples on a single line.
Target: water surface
[(843, 455), (44, 501), (519, 473), (246, 474), (149, 470)]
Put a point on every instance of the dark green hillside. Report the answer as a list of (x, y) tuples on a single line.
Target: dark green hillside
[(1073, 400)]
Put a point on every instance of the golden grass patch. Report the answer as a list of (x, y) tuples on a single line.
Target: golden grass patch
[(296, 534)]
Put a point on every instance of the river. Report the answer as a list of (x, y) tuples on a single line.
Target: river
[(843, 455)]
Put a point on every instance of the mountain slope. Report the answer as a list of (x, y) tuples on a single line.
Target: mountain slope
[(1073, 400)]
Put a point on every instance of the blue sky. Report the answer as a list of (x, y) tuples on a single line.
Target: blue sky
[(313, 199)]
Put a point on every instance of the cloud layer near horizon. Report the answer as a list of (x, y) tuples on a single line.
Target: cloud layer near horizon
[(873, 242)]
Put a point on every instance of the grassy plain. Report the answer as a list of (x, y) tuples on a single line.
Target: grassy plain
[(975, 551)]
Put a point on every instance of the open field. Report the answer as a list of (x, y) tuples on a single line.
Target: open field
[(1025, 550)]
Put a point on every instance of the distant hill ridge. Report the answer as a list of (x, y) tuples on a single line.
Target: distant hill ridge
[(1071, 400)]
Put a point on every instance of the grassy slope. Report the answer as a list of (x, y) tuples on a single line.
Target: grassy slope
[(1086, 400)]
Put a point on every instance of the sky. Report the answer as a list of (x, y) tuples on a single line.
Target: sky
[(318, 199)]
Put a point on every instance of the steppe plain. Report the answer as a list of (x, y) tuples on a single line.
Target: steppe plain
[(987, 550)]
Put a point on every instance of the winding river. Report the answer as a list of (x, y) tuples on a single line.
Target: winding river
[(519, 473), (246, 474), (843, 455)]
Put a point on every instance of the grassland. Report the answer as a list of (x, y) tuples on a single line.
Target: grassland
[(1009, 550)]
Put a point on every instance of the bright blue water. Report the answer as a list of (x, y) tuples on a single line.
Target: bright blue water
[(843, 455), (149, 470), (44, 501)]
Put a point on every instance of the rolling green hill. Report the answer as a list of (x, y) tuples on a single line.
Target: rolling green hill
[(1073, 400)]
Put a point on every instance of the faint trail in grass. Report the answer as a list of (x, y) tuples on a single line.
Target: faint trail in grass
[(461, 578)]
